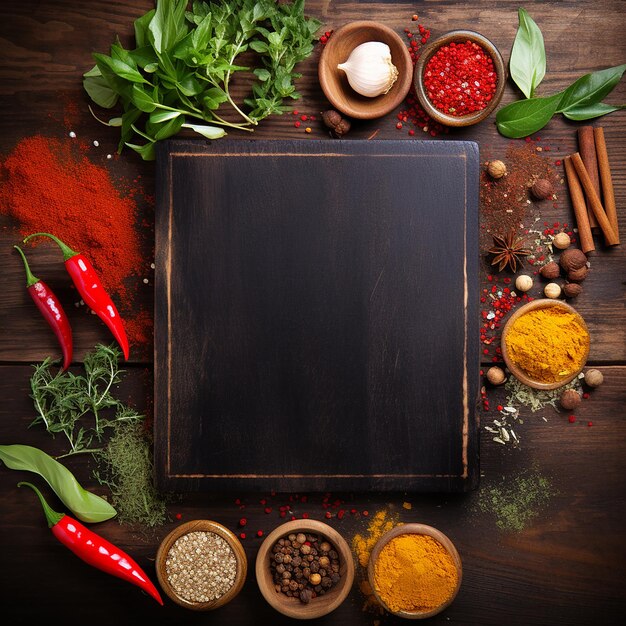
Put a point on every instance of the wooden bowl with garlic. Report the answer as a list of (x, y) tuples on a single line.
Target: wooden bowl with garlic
[(365, 70)]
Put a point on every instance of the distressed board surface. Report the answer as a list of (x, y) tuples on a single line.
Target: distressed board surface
[(316, 315)]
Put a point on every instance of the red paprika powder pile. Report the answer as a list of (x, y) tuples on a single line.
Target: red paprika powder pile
[(50, 185)]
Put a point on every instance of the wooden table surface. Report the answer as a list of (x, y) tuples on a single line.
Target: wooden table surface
[(567, 566)]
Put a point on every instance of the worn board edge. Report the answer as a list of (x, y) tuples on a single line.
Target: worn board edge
[(168, 481)]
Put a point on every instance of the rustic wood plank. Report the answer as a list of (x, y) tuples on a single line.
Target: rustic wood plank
[(568, 561)]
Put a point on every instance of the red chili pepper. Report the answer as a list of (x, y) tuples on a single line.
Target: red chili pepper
[(90, 288), (51, 309), (94, 549)]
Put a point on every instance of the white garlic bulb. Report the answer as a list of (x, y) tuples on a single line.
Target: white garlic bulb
[(369, 69)]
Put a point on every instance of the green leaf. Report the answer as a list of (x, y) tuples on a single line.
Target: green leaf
[(202, 33), (168, 26), (121, 69), (525, 117), (141, 28), (528, 56), (259, 46), (86, 506), (142, 99), (94, 71), (591, 111), (189, 86), (262, 74), (210, 132), (100, 92), (143, 57), (591, 88), (151, 68), (115, 121), (146, 151), (168, 129), (157, 117)]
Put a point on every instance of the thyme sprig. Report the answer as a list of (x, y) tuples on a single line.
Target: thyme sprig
[(65, 401)]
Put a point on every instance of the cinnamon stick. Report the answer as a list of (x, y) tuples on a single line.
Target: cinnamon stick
[(587, 150), (607, 181), (580, 208), (598, 210)]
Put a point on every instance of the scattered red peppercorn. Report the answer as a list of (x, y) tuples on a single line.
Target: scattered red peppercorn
[(296, 124), (179, 516), (259, 533), (242, 535), (268, 509), (590, 424), (328, 515), (572, 419), (243, 521)]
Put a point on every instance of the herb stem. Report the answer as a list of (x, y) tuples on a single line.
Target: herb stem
[(81, 451)]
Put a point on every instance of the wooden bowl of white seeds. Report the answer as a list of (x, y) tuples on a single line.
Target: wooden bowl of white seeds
[(201, 565)]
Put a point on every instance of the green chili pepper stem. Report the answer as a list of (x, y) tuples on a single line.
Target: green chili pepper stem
[(52, 517), (68, 253), (30, 279)]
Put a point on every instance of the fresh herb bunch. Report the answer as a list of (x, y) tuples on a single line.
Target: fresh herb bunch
[(64, 400), (84, 409), (580, 101), (184, 62)]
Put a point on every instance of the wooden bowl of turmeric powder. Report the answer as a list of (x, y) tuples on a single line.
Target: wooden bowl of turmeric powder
[(545, 344), (414, 571)]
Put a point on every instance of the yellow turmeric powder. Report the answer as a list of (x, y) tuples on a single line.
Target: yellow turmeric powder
[(548, 344), (414, 573)]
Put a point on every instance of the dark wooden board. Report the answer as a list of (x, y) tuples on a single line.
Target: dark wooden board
[(294, 346)]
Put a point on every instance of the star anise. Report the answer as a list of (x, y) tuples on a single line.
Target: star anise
[(508, 250)]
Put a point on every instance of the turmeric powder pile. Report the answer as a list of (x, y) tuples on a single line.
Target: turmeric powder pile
[(415, 572), (548, 344)]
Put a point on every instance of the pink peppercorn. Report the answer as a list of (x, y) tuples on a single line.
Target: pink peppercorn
[(460, 79)]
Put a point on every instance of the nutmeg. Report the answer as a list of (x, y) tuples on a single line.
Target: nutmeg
[(571, 290), (578, 275), (542, 189), (594, 378), (561, 241), (496, 375), (496, 169), (572, 259), (550, 270), (570, 399), (523, 282), (552, 290)]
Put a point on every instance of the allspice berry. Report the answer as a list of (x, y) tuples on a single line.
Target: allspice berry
[(542, 189), (550, 270), (496, 169), (561, 241), (339, 125), (552, 290), (523, 282), (570, 399), (496, 375), (594, 378), (577, 276), (571, 290), (572, 259)]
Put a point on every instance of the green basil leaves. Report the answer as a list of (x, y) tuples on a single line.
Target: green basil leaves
[(580, 101), (179, 75), (528, 56), (86, 506)]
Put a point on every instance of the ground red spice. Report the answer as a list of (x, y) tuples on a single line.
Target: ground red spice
[(50, 185)]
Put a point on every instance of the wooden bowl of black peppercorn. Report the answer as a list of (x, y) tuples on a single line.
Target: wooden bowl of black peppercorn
[(311, 604)]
